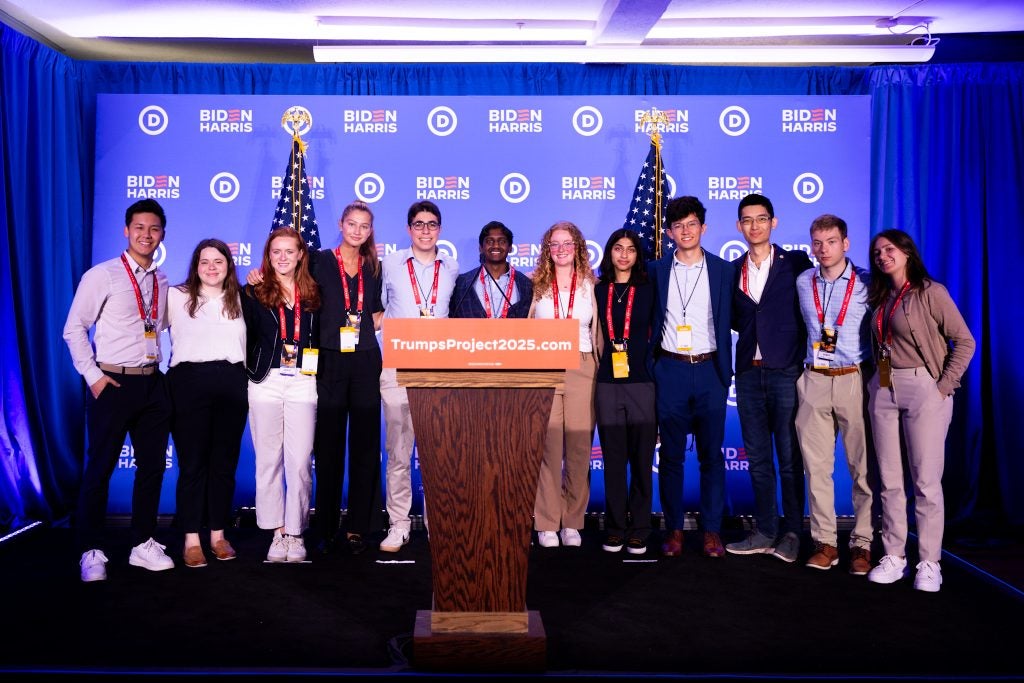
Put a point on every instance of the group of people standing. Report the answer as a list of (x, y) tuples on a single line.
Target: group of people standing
[(820, 350)]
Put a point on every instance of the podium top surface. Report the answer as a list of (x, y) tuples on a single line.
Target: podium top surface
[(482, 379)]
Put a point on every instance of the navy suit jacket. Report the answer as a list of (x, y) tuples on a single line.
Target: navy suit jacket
[(720, 279), (775, 323), (466, 304)]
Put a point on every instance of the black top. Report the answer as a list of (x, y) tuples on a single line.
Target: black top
[(639, 330), (324, 267), (263, 335)]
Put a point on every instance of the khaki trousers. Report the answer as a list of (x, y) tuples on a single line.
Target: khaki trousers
[(563, 489), (398, 442), (913, 403), (829, 406)]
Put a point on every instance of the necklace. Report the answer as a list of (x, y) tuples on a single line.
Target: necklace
[(618, 297)]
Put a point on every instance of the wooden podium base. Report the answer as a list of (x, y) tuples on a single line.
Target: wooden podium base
[(445, 650)]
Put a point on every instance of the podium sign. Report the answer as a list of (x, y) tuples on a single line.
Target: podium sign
[(480, 344)]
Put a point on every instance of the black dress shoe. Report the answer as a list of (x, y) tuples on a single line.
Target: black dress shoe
[(356, 544)]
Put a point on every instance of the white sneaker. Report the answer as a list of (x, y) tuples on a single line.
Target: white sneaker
[(570, 537), (928, 577), (395, 539), (94, 565), (278, 548), (547, 539), (295, 549), (890, 569), (150, 555)]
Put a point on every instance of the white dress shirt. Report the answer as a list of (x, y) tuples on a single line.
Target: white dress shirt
[(209, 336), (689, 303)]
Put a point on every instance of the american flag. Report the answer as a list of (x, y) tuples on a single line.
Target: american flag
[(295, 207), (643, 216)]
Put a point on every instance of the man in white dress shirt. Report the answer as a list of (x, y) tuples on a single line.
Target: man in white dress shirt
[(125, 299)]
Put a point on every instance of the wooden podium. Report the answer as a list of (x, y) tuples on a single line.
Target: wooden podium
[(480, 437)]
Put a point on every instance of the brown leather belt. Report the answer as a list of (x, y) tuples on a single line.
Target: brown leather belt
[(128, 370), (835, 372), (757, 363), (696, 358)]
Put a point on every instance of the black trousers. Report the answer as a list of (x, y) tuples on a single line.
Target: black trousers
[(210, 406), (348, 399), (140, 408), (627, 427)]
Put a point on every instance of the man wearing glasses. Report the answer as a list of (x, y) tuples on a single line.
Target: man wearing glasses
[(769, 360), (498, 290), (418, 283), (691, 356)]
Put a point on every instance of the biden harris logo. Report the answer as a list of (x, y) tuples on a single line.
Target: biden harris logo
[(588, 188), (373, 121), (676, 121), (225, 120), (734, 187), (817, 120), (442, 187), (153, 120), (515, 121), (153, 186)]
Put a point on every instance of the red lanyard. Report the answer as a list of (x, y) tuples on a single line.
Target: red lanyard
[(572, 295), (154, 310), (508, 292), (298, 318), (846, 299), (743, 270), (416, 285), (344, 283), (629, 312), (892, 311)]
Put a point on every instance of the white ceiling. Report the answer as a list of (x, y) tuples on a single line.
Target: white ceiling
[(286, 30)]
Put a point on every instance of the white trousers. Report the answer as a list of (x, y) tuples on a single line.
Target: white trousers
[(282, 421), (398, 442)]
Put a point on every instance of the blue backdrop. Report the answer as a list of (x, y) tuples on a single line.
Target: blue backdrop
[(214, 163), (946, 164)]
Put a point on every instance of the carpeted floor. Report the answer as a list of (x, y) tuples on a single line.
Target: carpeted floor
[(604, 614)]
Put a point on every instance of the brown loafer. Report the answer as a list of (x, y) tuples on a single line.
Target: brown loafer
[(713, 545), (222, 550), (672, 546), (194, 557)]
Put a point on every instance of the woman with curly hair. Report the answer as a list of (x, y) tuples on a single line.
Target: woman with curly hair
[(563, 287)]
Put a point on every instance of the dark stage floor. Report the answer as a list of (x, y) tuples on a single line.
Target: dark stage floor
[(604, 615)]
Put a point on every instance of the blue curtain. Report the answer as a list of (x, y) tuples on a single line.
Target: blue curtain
[(947, 162)]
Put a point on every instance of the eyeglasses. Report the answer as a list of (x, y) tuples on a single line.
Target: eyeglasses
[(429, 226), (761, 221), (561, 246), (689, 225)]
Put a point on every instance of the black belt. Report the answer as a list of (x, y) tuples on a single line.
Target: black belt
[(695, 358)]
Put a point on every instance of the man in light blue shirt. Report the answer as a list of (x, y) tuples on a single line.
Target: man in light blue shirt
[(834, 306), (418, 283)]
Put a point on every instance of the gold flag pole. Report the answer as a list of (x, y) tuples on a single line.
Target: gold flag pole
[(655, 119), (295, 120)]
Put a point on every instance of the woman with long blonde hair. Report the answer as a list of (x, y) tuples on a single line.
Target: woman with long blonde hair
[(563, 287)]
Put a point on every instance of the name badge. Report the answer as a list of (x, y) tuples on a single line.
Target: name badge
[(347, 340), (289, 356), (151, 346), (885, 371), (620, 364), (819, 361), (424, 313), (684, 337), (310, 359)]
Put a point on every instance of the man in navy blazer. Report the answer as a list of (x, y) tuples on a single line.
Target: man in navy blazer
[(769, 360), (691, 362), (494, 289)]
